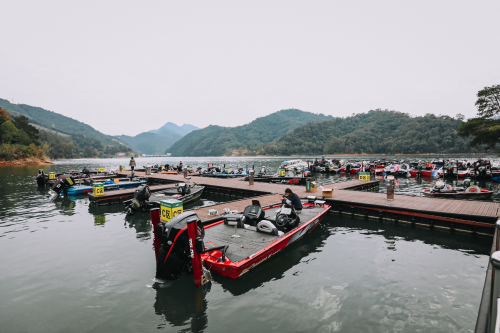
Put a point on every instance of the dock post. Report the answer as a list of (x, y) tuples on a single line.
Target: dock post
[(390, 187), (185, 172), (250, 176), (495, 291)]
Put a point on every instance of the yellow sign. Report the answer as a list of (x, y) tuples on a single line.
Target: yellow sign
[(100, 169), (98, 189), (52, 175), (364, 176), (170, 208)]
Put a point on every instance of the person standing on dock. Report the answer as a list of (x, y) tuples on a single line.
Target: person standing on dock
[(132, 163)]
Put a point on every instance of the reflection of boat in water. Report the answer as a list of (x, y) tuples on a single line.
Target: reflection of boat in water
[(144, 200), (465, 191), (229, 245), (182, 305)]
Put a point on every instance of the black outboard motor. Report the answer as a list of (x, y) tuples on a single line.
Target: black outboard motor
[(183, 189), (140, 200), (40, 178), (173, 255), (85, 172), (63, 183)]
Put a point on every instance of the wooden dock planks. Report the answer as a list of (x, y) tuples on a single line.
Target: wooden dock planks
[(401, 202)]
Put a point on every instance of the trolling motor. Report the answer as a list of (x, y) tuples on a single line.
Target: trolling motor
[(140, 200), (62, 184)]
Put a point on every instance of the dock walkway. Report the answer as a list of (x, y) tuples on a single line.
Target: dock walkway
[(467, 210)]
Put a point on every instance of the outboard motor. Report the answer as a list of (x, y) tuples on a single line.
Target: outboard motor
[(183, 189), (173, 254), (287, 218), (40, 178), (63, 183), (140, 200), (85, 172)]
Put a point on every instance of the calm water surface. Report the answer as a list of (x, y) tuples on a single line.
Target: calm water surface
[(71, 267)]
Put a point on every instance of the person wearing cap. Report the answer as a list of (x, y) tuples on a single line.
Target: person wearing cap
[(292, 199)]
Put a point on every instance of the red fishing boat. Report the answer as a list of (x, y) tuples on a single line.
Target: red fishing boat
[(426, 171), (353, 168), (229, 245)]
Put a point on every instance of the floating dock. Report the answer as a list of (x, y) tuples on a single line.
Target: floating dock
[(357, 198)]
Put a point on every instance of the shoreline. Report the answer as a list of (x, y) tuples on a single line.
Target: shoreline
[(26, 161)]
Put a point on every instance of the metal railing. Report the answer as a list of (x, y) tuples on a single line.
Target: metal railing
[(488, 319)]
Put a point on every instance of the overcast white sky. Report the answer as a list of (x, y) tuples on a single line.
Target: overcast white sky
[(125, 67)]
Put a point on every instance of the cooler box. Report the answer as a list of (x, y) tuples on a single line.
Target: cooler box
[(100, 169), (170, 208), (52, 175), (364, 176), (282, 172), (98, 189)]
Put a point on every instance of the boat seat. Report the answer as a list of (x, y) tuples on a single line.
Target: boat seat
[(267, 227), (237, 220), (253, 214)]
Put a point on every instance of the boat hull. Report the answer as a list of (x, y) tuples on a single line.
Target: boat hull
[(236, 269), (107, 187), (484, 194)]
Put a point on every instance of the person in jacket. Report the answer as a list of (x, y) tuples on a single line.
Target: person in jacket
[(132, 163), (292, 199)]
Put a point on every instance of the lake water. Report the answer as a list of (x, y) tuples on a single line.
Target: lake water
[(68, 266)]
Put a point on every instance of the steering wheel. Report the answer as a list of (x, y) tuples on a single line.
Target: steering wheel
[(281, 220)]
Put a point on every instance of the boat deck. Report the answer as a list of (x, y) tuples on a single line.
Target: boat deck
[(249, 240)]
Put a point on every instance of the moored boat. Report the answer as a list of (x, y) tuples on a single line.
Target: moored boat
[(466, 191), (229, 245), (144, 200)]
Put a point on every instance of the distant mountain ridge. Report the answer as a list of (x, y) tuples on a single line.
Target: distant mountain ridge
[(170, 128), (157, 141), (217, 140)]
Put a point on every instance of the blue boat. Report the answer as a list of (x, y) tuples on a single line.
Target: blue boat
[(109, 185)]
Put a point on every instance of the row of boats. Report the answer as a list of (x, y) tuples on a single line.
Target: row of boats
[(234, 242)]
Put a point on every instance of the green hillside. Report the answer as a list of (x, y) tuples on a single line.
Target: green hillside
[(375, 132), (63, 137), (216, 140), (54, 121)]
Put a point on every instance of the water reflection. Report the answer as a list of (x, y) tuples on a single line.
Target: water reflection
[(182, 305)]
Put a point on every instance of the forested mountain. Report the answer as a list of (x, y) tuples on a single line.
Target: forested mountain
[(375, 132), (216, 140), (156, 141), (63, 137)]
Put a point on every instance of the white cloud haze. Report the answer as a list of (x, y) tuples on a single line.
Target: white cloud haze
[(125, 67)]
